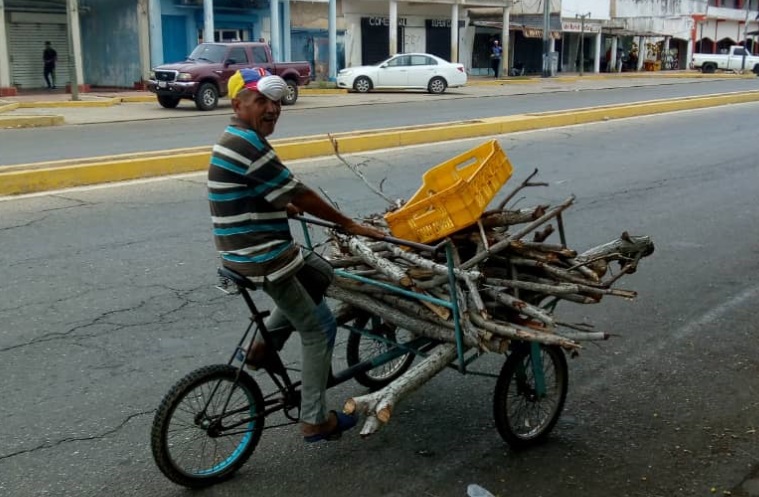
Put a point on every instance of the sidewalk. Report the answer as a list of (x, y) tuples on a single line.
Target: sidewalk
[(55, 107)]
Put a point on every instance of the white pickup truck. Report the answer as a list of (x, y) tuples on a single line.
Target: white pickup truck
[(731, 61)]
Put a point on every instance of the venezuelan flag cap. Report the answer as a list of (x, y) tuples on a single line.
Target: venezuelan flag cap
[(257, 79)]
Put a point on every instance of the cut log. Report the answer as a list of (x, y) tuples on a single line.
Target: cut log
[(394, 272), (380, 404)]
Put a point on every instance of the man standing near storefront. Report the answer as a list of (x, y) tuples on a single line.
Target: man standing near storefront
[(495, 57), (49, 57)]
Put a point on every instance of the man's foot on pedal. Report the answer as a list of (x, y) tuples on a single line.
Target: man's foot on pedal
[(330, 430)]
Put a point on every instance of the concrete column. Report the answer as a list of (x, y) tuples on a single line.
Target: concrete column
[(5, 66), (665, 55), (455, 33), (613, 53), (688, 55), (208, 27), (641, 52), (332, 28), (393, 28), (597, 55), (505, 40), (143, 38), (275, 38), (286, 34), (156, 33), (75, 47)]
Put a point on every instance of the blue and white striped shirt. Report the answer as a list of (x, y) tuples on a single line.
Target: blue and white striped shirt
[(248, 190)]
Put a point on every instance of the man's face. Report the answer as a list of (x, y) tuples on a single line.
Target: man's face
[(257, 111)]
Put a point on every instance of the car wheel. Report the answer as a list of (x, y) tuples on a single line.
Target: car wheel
[(291, 95), (362, 84), (168, 102), (708, 68), (756, 69), (437, 85), (207, 97)]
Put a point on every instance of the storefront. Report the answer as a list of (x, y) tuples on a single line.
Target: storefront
[(27, 32), (581, 45), (419, 28)]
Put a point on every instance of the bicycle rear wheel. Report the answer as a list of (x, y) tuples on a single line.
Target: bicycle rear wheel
[(362, 347), (525, 412), (207, 426)]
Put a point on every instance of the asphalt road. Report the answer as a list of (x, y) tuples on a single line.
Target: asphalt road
[(108, 299), (191, 128)]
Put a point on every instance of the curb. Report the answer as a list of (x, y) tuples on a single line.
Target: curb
[(30, 178), (29, 121)]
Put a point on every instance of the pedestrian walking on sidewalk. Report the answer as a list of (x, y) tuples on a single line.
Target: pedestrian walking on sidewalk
[(49, 57), (495, 57), (251, 192)]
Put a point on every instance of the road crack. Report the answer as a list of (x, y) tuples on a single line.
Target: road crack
[(50, 445)]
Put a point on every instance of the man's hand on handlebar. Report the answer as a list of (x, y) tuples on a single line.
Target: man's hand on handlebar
[(359, 229)]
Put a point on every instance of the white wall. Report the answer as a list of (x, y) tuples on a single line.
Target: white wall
[(415, 34), (653, 8), (599, 9)]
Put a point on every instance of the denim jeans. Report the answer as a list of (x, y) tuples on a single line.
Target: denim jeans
[(317, 328)]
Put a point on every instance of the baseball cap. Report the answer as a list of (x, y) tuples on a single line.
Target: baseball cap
[(257, 79)]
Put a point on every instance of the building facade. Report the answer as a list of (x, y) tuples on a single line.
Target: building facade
[(114, 43)]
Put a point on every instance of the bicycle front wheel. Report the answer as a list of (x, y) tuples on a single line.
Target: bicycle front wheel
[(207, 426), (530, 394)]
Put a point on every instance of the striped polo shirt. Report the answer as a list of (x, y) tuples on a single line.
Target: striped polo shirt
[(248, 190)]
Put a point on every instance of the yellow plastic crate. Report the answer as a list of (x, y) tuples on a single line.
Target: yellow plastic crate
[(453, 195)]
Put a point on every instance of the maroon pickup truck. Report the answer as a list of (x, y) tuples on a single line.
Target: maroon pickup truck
[(203, 76)]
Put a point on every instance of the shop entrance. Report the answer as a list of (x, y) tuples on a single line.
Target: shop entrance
[(375, 43)]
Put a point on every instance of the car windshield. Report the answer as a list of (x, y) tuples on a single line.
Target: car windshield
[(208, 53)]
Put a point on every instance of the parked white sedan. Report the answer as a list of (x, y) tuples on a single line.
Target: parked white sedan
[(402, 71)]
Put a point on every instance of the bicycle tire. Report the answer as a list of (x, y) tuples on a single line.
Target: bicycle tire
[(384, 374), (201, 427), (515, 394)]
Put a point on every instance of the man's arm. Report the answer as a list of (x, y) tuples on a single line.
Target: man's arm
[(309, 201)]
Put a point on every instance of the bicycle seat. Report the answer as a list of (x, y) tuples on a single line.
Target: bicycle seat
[(239, 279)]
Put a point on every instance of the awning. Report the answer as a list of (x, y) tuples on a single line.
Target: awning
[(530, 25)]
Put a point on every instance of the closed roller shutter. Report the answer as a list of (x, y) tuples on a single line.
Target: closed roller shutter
[(26, 43), (438, 38), (375, 42)]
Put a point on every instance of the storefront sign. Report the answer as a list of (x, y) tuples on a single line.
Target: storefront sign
[(441, 23), (538, 33), (576, 27), (384, 21)]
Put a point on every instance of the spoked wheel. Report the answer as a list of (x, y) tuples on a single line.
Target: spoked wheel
[(362, 347), (207, 426), (526, 403)]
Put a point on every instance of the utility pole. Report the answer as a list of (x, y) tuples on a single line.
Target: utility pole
[(582, 39), (745, 36), (72, 16), (546, 38)]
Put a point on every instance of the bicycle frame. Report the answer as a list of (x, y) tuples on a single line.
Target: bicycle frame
[(288, 390)]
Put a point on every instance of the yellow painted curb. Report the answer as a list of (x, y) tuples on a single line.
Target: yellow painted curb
[(322, 91), (29, 122), (29, 178), (8, 107), (105, 102), (138, 99)]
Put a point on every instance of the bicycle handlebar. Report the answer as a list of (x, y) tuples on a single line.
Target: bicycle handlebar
[(389, 239)]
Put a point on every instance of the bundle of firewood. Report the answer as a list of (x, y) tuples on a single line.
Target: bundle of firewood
[(507, 279), (506, 282)]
